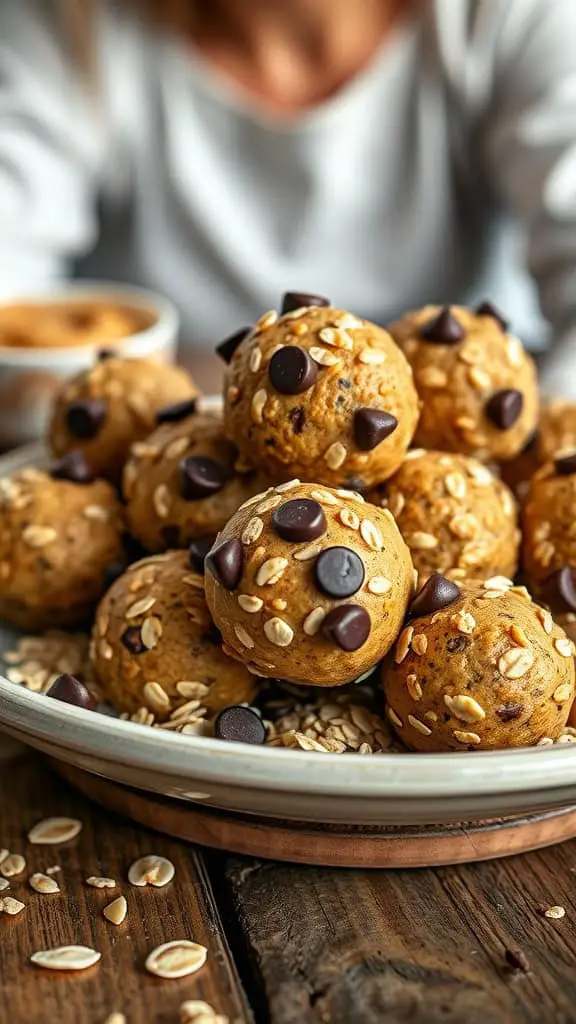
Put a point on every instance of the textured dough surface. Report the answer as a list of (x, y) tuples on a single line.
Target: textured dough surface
[(492, 673), (311, 435), (454, 382), (157, 513), (455, 516), (133, 390), (294, 595), (56, 539), (548, 524)]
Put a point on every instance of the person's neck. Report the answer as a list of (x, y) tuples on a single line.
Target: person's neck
[(294, 54)]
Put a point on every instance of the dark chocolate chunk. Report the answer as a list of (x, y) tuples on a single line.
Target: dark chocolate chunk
[(488, 309), (132, 640), (106, 353), (197, 552), (508, 712), (170, 534), (566, 466), (297, 418), (517, 960), (292, 371), (455, 644), (299, 520), (70, 690), (239, 724), (443, 329), (113, 571), (200, 477), (72, 467), (299, 300), (226, 562), (176, 412), (347, 626), (371, 426), (560, 590), (227, 348), (504, 407), (437, 593), (85, 417), (339, 572)]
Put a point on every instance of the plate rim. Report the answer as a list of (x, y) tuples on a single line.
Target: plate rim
[(397, 776)]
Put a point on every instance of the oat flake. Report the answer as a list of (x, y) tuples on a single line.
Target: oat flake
[(176, 959)]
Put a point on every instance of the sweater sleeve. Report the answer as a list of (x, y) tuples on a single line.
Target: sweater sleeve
[(49, 154), (530, 139)]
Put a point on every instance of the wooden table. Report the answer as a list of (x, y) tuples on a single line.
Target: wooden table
[(287, 945)]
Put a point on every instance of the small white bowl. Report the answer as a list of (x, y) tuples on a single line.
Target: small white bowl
[(29, 377)]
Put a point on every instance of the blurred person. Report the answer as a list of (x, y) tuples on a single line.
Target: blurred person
[(384, 153)]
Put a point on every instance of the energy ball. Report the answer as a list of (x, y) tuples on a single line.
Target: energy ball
[(154, 645), (319, 394), (556, 436), (556, 430), (181, 484), (105, 409), (309, 584), (477, 385), (59, 530), (549, 528), (478, 667), (455, 516)]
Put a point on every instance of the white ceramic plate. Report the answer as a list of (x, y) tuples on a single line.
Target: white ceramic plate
[(346, 788)]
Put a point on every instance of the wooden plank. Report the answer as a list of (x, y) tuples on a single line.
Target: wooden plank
[(183, 909), (426, 946)]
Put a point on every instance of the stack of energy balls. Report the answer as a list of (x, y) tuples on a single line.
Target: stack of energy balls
[(347, 517)]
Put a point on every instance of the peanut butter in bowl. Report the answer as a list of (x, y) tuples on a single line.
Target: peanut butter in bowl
[(46, 325)]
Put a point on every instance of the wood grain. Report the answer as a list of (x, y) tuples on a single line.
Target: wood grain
[(427, 946), (183, 909)]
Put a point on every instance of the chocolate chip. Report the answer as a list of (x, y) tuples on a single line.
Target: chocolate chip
[(504, 407), (437, 593), (292, 370), (455, 644), (297, 418), (170, 535), (371, 426), (197, 552), (298, 300), (339, 572), (226, 562), (443, 329), (227, 348), (112, 572), (566, 466), (507, 712), (72, 467), (85, 418), (106, 353), (299, 520), (347, 626), (488, 309), (176, 412), (560, 590), (132, 640), (200, 477), (517, 959), (239, 724), (133, 548), (71, 691)]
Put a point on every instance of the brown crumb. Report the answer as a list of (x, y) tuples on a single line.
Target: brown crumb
[(517, 959)]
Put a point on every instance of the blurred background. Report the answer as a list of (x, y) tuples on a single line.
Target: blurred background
[(383, 153)]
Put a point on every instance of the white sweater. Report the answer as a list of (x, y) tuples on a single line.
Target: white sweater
[(397, 192)]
